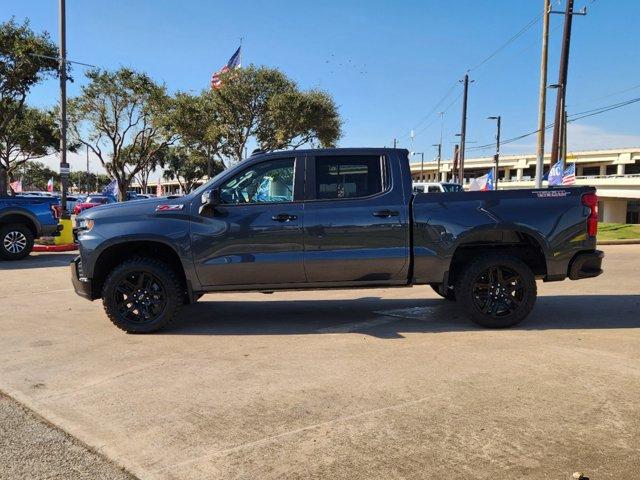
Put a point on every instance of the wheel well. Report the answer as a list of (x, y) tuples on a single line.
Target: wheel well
[(515, 244), (16, 218), (116, 254)]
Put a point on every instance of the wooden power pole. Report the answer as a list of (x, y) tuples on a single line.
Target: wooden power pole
[(542, 100)]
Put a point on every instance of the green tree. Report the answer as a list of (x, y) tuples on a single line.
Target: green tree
[(187, 167), (31, 134), (122, 117), (35, 175), (26, 58), (196, 120), (263, 104), (298, 118)]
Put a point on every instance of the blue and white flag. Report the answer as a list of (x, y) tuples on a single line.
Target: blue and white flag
[(556, 173), (111, 189)]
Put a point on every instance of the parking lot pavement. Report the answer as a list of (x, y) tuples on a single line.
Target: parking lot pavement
[(381, 383), (30, 448)]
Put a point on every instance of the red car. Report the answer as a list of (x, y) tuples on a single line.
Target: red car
[(90, 202)]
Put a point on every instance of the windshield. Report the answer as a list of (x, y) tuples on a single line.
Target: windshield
[(451, 187)]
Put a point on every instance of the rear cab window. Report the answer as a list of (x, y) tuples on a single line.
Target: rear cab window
[(349, 176)]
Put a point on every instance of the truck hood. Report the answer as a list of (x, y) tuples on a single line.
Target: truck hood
[(133, 207)]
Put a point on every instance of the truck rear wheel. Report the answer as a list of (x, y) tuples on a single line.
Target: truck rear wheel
[(497, 291), (16, 242), (142, 295)]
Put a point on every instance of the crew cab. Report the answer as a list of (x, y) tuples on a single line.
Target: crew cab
[(333, 218), (22, 220)]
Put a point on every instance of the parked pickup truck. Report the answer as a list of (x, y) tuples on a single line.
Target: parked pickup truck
[(333, 218), (22, 220)]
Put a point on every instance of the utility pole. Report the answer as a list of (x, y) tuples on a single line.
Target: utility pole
[(542, 99), (456, 155), (439, 145), (463, 129), (64, 166), (562, 79), (395, 143), (496, 157)]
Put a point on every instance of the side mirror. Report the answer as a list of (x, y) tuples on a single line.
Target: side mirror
[(209, 199)]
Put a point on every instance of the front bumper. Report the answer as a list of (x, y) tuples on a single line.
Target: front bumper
[(586, 265), (81, 284)]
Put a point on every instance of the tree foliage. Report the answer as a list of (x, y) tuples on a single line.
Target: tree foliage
[(35, 176), (195, 119), (31, 134), (187, 167), (122, 117), (26, 58), (263, 104), (88, 181)]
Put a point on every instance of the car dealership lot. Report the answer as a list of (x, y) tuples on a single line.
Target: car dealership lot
[(381, 383)]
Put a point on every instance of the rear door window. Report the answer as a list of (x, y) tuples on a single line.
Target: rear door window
[(352, 176)]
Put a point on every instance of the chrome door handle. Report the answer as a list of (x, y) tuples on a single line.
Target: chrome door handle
[(283, 217), (385, 213)]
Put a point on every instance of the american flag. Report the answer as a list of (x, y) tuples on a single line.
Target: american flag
[(569, 175), (234, 62)]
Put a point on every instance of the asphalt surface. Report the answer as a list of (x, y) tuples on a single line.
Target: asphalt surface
[(31, 448), (382, 383)]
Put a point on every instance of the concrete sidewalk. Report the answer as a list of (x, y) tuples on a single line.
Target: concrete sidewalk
[(360, 384)]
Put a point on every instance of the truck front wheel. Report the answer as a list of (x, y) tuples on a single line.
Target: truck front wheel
[(16, 242), (142, 295), (497, 291)]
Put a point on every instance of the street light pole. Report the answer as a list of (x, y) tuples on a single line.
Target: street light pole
[(64, 166), (496, 157), (421, 164), (439, 145)]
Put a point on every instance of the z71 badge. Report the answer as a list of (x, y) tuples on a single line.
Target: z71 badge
[(169, 208)]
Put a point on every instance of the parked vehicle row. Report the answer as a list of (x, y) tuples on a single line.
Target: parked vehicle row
[(333, 218), (22, 220)]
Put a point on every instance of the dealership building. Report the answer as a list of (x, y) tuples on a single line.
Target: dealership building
[(615, 173)]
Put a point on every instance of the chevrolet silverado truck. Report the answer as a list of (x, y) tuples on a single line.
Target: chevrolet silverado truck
[(333, 218), (22, 220)]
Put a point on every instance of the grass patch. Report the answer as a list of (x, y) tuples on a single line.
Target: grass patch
[(618, 231)]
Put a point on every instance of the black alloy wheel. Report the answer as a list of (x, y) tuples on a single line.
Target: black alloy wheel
[(142, 295), (497, 291)]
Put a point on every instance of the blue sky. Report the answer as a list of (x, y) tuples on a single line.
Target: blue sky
[(387, 63)]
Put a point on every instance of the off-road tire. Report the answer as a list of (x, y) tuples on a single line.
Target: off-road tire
[(16, 241), (449, 295), (164, 279), (476, 274)]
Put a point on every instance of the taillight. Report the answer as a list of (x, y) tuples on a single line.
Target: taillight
[(56, 210), (590, 200)]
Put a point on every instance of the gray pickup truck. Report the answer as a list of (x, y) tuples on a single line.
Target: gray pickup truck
[(333, 218)]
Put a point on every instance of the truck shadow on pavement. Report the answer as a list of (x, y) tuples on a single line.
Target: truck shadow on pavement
[(40, 260), (390, 318)]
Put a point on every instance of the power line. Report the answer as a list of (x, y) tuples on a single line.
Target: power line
[(572, 118), (486, 59)]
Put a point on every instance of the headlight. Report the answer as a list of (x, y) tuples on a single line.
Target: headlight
[(84, 224)]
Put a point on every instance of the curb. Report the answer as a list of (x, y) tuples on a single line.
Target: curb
[(55, 248), (624, 241)]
